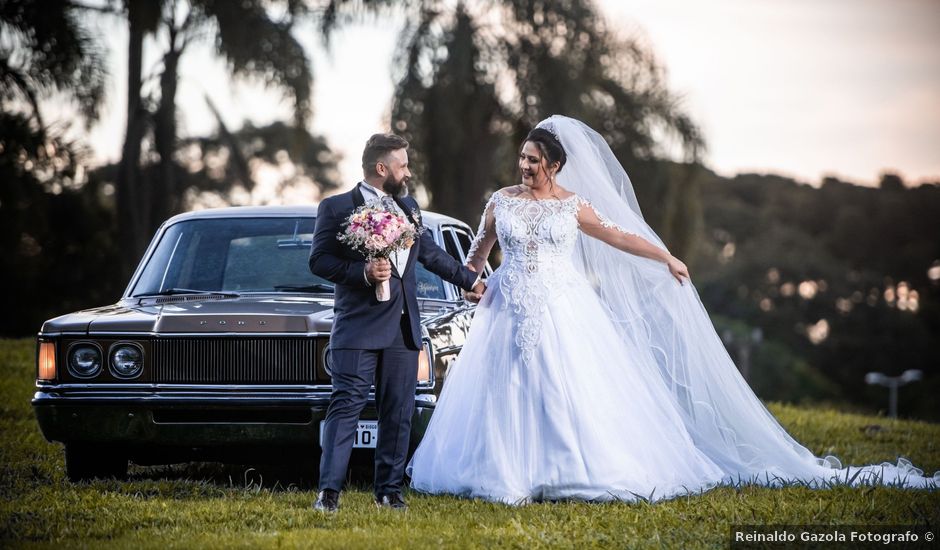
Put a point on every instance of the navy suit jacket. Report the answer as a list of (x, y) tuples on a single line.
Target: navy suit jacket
[(360, 320)]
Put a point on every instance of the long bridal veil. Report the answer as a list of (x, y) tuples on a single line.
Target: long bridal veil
[(667, 326)]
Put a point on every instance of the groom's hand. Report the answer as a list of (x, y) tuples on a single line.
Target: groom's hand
[(378, 270)]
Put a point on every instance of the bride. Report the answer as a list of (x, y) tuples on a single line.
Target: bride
[(591, 370)]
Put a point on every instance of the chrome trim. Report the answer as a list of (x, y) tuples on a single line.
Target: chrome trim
[(143, 359), (450, 289), (138, 271), (449, 349), (453, 229), (487, 270), (40, 398), (68, 359), (426, 343), (456, 228), (166, 271), (455, 308), (101, 333), (71, 386), (437, 301)]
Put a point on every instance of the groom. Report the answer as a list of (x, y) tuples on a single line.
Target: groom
[(372, 341)]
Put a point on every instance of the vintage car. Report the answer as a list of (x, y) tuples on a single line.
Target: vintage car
[(219, 348)]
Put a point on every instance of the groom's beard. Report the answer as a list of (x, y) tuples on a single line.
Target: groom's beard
[(393, 187)]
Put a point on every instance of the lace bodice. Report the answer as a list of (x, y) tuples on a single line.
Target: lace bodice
[(537, 238)]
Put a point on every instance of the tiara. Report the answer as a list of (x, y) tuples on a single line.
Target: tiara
[(551, 130)]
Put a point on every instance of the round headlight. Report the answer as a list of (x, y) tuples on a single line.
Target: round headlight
[(127, 360), (84, 360), (328, 361)]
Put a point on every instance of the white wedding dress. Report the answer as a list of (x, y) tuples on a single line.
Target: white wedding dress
[(538, 404), (595, 377)]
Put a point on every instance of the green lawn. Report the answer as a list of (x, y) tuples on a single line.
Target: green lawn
[(205, 505)]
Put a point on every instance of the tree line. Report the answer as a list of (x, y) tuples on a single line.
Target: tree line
[(811, 267)]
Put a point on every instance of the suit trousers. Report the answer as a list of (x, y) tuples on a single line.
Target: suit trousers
[(394, 371)]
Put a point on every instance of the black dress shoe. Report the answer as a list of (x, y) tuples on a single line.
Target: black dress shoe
[(327, 501), (391, 500)]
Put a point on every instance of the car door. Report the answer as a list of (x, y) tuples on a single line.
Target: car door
[(448, 330)]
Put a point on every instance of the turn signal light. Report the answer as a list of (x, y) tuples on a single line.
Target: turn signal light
[(46, 361), (424, 364)]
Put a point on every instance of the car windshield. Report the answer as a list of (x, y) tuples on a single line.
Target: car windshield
[(244, 255)]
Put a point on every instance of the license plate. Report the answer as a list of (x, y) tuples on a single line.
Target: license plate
[(367, 433)]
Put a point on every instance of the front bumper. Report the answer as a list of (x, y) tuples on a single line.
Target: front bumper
[(195, 417)]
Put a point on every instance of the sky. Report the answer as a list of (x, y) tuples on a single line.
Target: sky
[(803, 88)]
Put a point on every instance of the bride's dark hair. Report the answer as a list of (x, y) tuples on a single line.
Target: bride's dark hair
[(549, 145)]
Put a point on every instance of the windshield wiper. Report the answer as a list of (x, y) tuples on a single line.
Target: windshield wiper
[(176, 291), (318, 287)]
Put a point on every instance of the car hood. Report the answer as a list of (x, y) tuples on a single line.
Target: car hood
[(255, 314)]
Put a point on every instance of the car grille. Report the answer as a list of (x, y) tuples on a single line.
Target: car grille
[(234, 360)]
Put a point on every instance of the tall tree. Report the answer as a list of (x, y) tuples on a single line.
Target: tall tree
[(143, 17), (255, 38), (44, 49), (225, 160), (452, 121), (476, 78), (53, 224)]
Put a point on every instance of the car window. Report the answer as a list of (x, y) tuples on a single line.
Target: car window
[(452, 245), (464, 242), (457, 243), (246, 255), (258, 263), (429, 285), (232, 254)]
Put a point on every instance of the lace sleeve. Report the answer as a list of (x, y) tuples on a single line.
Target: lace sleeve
[(485, 238), (599, 226), (586, 219)]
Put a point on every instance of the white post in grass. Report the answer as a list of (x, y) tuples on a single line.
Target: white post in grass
[(893, 383)]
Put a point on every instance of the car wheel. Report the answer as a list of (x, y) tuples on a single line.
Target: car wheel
[(84, 461)]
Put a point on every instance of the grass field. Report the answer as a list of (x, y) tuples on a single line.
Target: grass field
[(214, 506)]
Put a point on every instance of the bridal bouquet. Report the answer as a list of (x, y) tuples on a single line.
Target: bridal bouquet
[(377, 231)]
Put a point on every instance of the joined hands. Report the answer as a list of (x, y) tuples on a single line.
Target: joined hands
[(475, 294)]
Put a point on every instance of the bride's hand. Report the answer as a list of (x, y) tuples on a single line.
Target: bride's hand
[(677, 269), (476, 294)]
